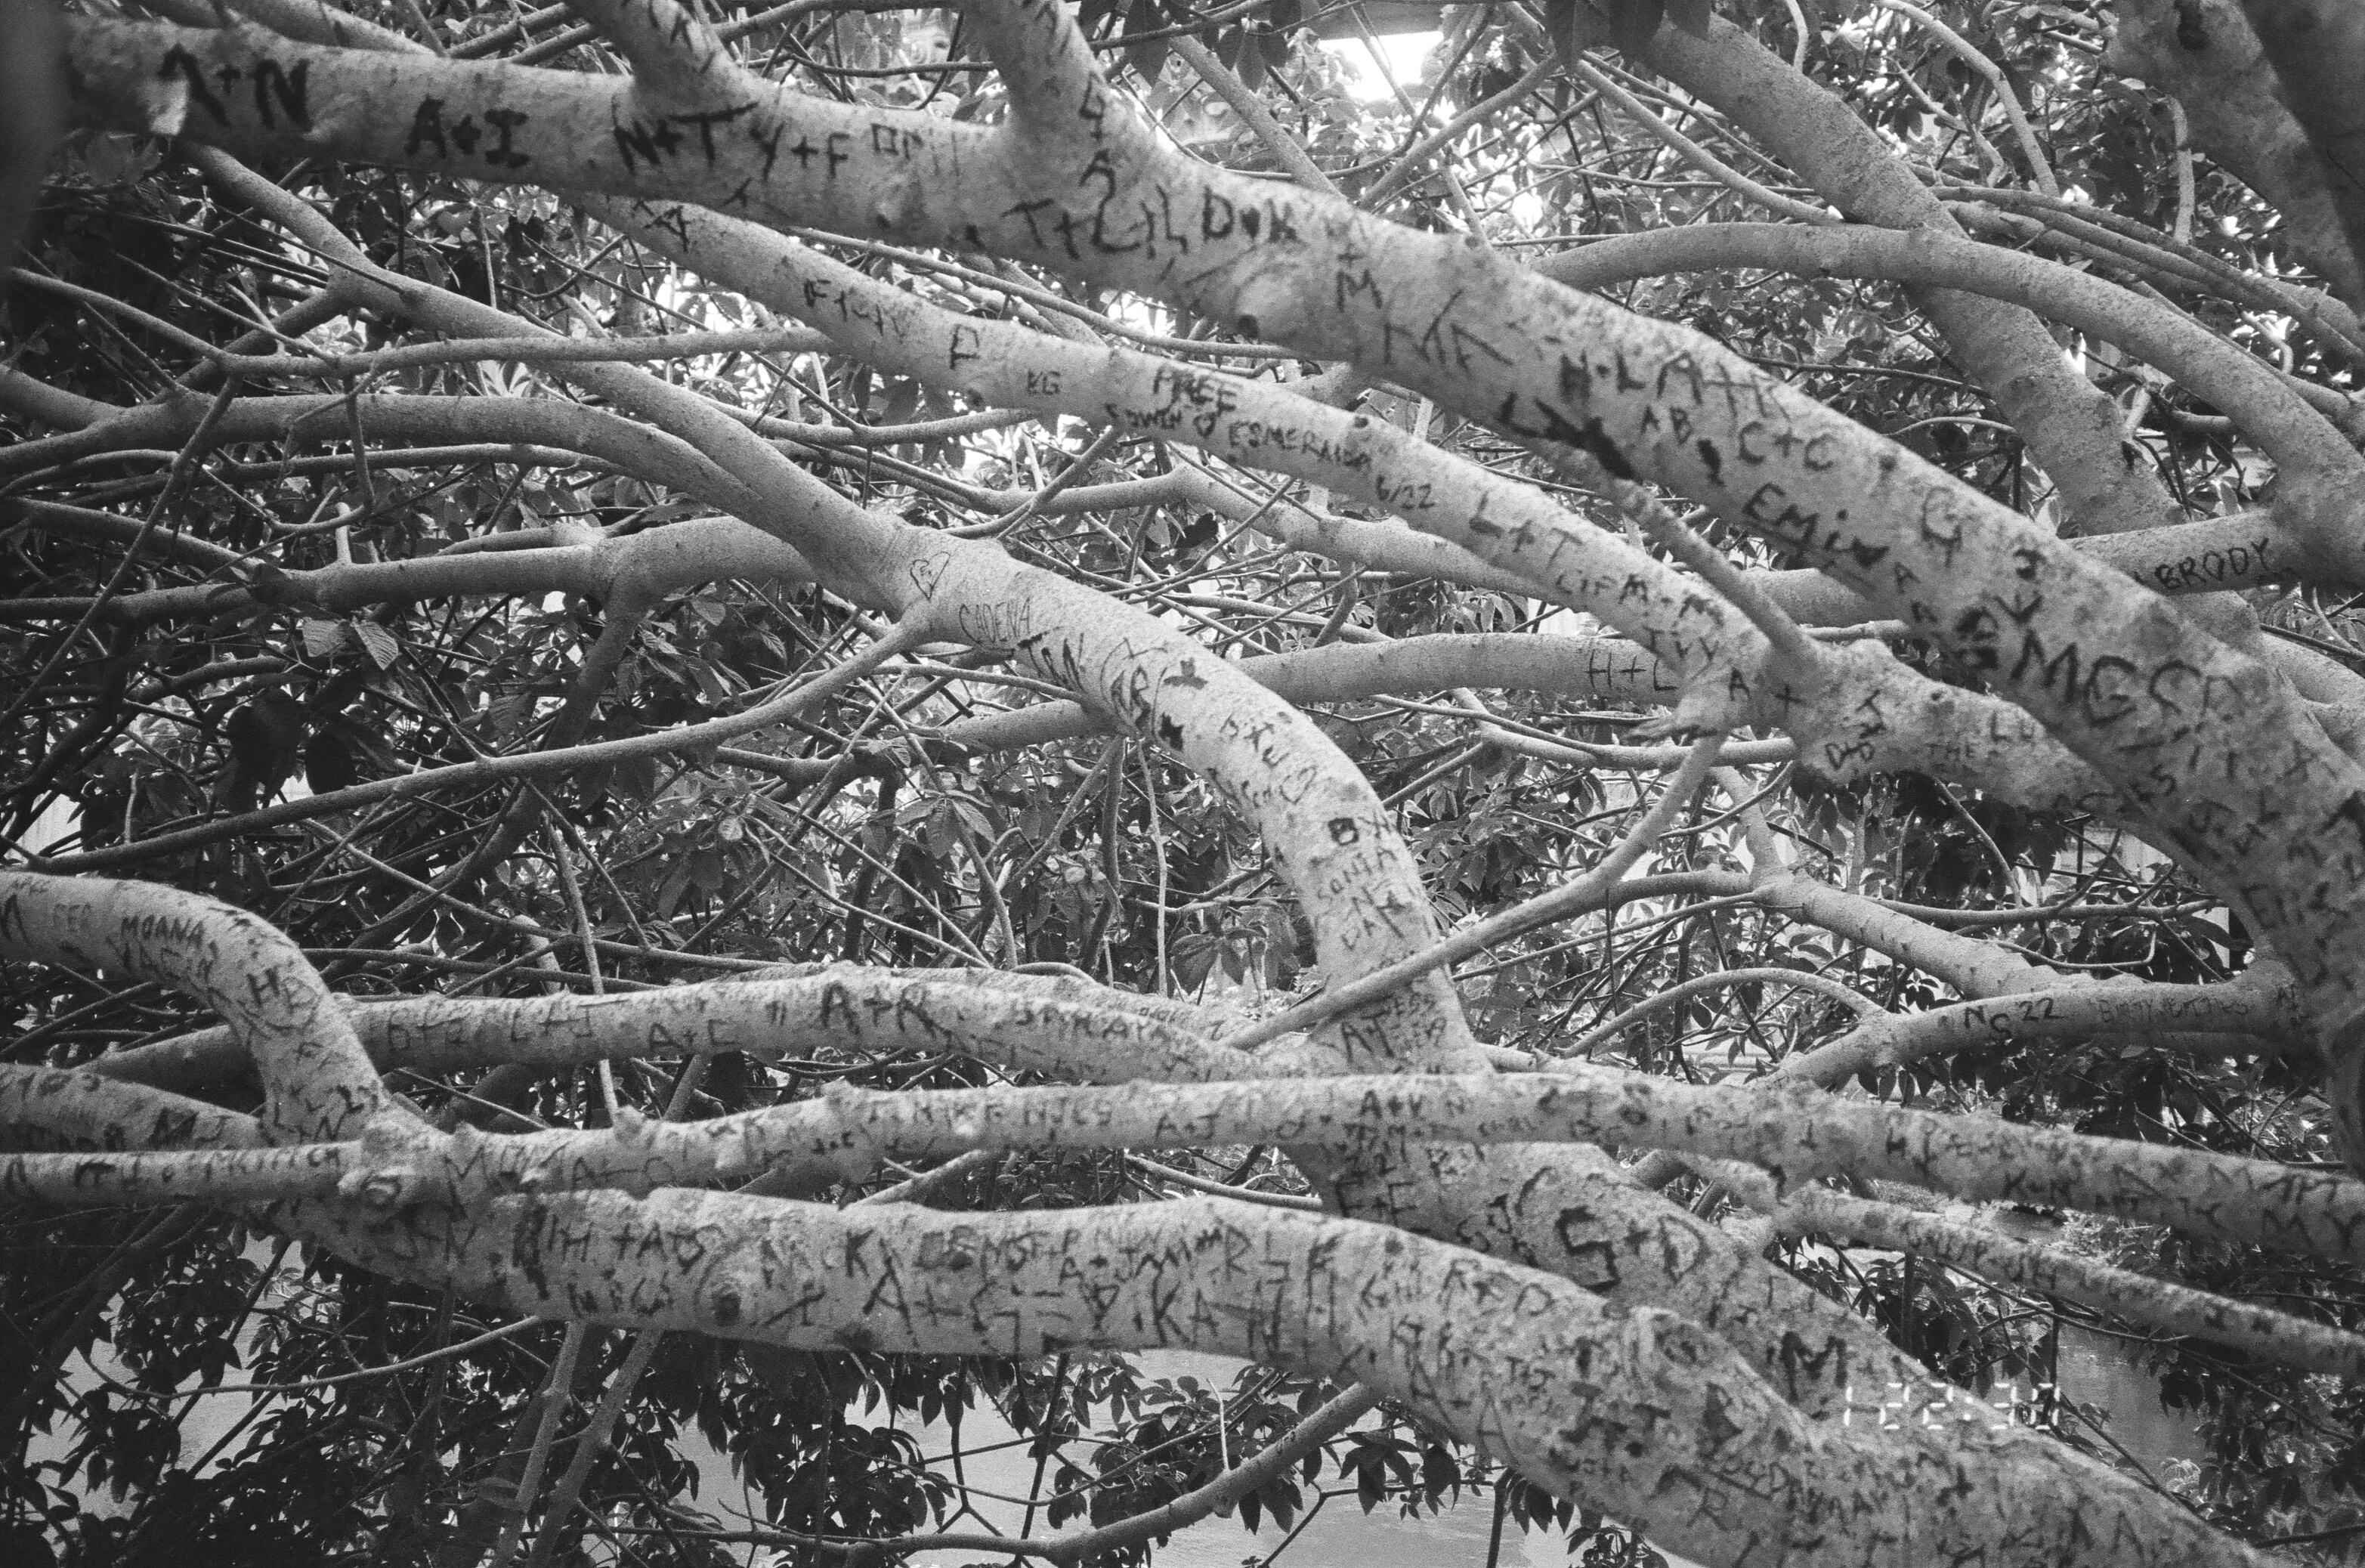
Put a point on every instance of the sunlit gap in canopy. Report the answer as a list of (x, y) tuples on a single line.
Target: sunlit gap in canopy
[(1403, 52)]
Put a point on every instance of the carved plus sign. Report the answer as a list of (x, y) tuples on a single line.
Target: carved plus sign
[(805, 151)]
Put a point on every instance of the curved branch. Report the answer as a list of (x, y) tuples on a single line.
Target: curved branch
[(1334, 843), (1639, 1413), (2262, 404), (1175, 1273), (44, 1108), (1795, 1137), (1963, 50), (408, 419), (1864, 713), (514, 765), (1692, 152), (2205, 54), (634, 570), (2318, 53), (1023, 1023), (2072, 429), (1506, 524), (1484, 337), (2253, 1005), (317, 1078), (1270, 1463), (2138, 1298), (1699, 985)]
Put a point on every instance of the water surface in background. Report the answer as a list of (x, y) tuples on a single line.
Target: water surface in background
[(1341, 1535), (2094, 1368), (2102, 1369)]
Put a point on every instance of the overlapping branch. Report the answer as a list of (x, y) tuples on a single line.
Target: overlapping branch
[(1718, 1433), (1076, 183)]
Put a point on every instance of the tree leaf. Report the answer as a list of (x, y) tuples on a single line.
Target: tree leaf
[(322, 639), (382, 645), (1147, 59), (1691, 16), (266, 738), (1437, 1474), (509, 713), (1251, 63), (329, 762), (1633, 23), (1194, 958), (1576, 26)]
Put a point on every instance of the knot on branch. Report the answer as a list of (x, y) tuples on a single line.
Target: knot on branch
[(630, 1128), (402, 1164), (1694, 716), (269, 586)]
